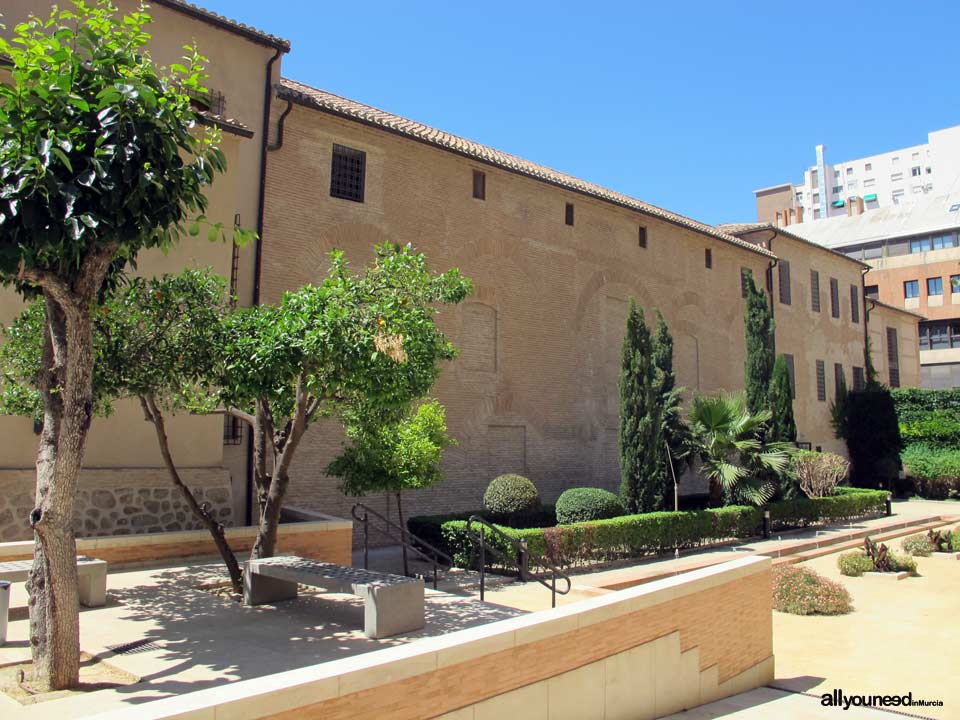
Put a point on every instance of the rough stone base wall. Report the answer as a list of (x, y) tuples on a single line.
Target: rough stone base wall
[(120, 501)]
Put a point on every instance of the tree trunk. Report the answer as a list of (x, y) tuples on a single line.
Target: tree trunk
[(403, 536), (154, 415), (66, 386)]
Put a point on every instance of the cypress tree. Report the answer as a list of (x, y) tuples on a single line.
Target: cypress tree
[(641, 424), (758, 321), (675, 431), (783, 427)]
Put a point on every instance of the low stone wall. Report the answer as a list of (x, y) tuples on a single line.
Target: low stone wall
[(119, 501), (645, 652), (328, 540)]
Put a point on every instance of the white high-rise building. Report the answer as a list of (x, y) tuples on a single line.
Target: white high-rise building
[(851, 187)]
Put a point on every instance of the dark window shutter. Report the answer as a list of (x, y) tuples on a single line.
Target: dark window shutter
[(642, 236), (815, 291), (784, 269), (893, 357), (791, 370), (854, 304), (834, 298), (479, 185), (568, 214), (708, 258), (859, 379), (838, 382), (821, 381)]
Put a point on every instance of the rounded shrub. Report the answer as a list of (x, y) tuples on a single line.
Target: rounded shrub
[(801, 591), (509, 494), (903, 563), (854, 564), (586, 503), (917, 545)]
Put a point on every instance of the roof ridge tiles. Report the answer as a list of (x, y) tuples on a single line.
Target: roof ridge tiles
[(330, 102)]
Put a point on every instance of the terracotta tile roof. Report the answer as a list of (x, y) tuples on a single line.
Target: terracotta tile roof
[(227, 124), (739, 229), (352, 110), (208, 16)]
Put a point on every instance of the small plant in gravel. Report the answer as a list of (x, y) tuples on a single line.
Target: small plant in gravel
[(918, 545), (801, 591)]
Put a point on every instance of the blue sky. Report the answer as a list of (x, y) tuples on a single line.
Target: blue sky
[(690, 106)]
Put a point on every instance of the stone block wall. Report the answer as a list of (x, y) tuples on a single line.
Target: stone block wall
[(119, 501)]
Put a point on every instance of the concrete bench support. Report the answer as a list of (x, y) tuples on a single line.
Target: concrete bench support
[(393, 604), (91, 578)]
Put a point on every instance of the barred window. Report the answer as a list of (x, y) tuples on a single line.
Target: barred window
[(854, 304), (838, 379), (232, 430), (784, 268), (347, 173), (815, 291), (821, 381)]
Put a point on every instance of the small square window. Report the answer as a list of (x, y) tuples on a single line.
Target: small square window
[(642, 236), (708, 258), (347, 173), (479, 185), (568, 215), (955, 284), (849, 171), (911, 289), (935, 286), (896, 177), (868, 166), (915, 171)]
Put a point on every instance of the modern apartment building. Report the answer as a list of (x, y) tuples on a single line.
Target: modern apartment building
[(554, 260), (913, 251), (837, 189)]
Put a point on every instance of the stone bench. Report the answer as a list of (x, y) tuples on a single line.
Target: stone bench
[(393, 604), (91, 578)]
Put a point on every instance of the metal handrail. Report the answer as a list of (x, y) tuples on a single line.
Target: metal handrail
[(521, 560), (438, 560)]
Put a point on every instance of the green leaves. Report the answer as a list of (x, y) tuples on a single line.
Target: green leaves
[(93, 138)]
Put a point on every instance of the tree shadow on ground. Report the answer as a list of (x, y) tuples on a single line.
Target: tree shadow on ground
[(196, 639)]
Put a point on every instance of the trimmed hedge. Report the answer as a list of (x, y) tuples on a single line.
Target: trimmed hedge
[(510, 494), (632, 536), (587, 503), (845, 504), (628, 536), (935, 470), (929, 416)]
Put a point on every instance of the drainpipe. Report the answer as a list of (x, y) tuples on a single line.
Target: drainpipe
[(770, 267), (258, 252)]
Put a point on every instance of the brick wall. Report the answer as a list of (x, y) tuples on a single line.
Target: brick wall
[(534, 390)]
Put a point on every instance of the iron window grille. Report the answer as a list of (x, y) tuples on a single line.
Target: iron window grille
[(838, 380), (834, 298), (232, 430), (347, 173), (893, 357)]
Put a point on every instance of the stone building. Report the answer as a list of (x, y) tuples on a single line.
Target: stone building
[(554, 259)]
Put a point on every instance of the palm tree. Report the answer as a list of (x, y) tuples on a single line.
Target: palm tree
[(725, 436)]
